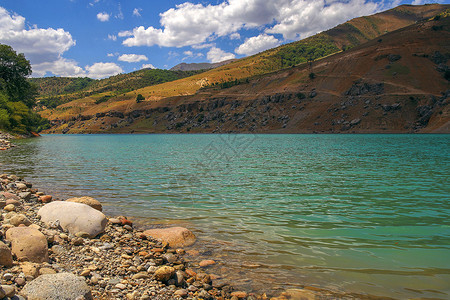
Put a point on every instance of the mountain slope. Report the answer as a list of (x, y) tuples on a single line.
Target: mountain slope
[(54, 91), (200, 66), (257, 65), (398, 82)]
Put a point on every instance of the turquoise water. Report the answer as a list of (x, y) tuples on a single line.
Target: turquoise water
[(366, 214)]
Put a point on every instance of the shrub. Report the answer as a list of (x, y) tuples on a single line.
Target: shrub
[(139, 98)]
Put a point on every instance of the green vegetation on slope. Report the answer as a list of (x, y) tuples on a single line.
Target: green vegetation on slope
[(17, 95), (54, 91)]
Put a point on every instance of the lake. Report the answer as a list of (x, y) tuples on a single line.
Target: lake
[(363, 214)]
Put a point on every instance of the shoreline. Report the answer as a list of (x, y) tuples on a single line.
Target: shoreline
[(119, 263), (117, 232)]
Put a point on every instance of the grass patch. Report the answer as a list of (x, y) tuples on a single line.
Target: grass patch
[(397, 69)]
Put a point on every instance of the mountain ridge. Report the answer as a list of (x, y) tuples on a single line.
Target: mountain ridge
[(200, 66), (204, 82)]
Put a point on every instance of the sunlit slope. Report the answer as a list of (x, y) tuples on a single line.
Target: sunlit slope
[(342, 37)]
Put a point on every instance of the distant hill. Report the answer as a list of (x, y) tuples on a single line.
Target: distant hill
[(223, 99), (200, 66), (54, 91)]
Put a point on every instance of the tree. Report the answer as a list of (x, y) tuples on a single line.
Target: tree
[(17, 95), (14, 69), (139, 98)]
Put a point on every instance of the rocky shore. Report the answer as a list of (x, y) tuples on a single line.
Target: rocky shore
[(52, 249), (71, 250), (5, 143)]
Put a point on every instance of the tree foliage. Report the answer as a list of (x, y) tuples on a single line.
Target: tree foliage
[(17, 94), (139, 98)]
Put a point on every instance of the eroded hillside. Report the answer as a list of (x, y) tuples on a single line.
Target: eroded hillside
[(394, 83)]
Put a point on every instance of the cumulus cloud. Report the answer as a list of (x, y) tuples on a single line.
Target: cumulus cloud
[(217, 55), (257, 44), (102, 70), (148, 66), (43, 47), (191, 24), (61, 67), (305, 18), (132, 58), (103, 17)]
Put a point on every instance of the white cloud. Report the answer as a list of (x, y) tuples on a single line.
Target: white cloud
[(125, 33), (110, 54), (120, 13), (112, 37), (132, 58), (257, 44), (190, 54), (137, 12), (191, 24), (235, 36), (43, 47), (203, 46), (103, 17), (148, 66), (304, 18), (61, 67), (102, 70), (217, 55)]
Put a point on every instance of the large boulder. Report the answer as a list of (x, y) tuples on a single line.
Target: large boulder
[(75, 217), (88, 201), (174, 236), (5, 256), (61, 286), (28, 244)]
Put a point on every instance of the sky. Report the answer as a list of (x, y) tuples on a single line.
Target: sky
[(101, 38)]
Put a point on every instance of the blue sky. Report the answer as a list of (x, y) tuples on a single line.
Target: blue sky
[(100, 38)]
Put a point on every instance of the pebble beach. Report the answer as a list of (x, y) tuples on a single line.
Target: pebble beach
[(53, 249)]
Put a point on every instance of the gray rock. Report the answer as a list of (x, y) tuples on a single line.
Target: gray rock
[(21, 186), (8, 276), (59, 286), (9, 290), (25, 195), (74, 217)]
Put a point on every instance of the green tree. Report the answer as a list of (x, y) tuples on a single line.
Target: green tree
[(17, 95), (14, 69), (139, 98)]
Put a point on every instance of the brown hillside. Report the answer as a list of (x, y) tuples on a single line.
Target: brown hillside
[(351, 33), (394, 83)]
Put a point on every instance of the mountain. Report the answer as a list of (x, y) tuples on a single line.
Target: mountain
[(393, 83), (200, 66), (54, 91)]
